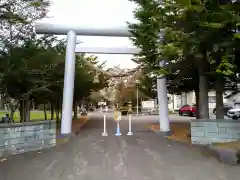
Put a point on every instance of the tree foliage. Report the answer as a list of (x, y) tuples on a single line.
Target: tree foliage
[(32, 67), (196, 39), (17, 18)]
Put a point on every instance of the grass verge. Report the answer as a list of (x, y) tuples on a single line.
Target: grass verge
[(34, 115)]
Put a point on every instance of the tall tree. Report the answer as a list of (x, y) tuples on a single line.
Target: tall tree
[(190, 40), (17, 18), (27, 70)]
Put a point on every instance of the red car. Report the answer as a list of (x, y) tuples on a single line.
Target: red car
[(187, 110)]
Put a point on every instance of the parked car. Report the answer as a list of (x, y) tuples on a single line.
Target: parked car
[(189, 110), (226, 109), (234, 113)]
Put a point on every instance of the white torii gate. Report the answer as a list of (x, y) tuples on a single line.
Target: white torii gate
[(71, 49)]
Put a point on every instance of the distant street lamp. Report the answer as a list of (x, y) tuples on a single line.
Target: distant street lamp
[(137, 84)]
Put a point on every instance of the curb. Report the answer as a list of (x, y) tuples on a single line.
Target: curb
[(223, 155), (226, 155)]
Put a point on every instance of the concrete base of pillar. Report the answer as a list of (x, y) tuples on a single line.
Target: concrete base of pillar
[(129, 134), (104, 134), (65, 135), (164, 133)]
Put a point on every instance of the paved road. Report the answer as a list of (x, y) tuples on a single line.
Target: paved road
[(89, 156)]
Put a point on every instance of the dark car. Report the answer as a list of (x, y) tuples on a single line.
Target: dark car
[(226, 109)]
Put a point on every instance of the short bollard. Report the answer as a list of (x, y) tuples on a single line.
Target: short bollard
[(104, 126), (130, 125), (117, 117), (129, 119), (118, 133)]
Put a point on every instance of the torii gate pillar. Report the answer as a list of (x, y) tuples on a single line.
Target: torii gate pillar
[(69, 74), (68, 89)]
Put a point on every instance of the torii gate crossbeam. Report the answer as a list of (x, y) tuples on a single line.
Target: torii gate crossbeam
[(60, 29), (105, 50), (69, 73)]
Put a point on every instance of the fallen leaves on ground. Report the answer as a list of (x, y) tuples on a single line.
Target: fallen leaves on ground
[(180, 131), (76, 125)]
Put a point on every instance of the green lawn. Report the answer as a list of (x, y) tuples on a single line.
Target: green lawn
[(34, 115)]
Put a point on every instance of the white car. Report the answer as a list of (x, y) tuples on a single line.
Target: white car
[(234, 113)]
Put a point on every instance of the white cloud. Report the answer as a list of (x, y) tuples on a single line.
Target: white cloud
[(97, 13)]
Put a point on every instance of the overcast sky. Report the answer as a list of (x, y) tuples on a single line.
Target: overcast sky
[(97, 13)]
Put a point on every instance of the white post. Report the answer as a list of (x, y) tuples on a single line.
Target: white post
[(137, 99), (66, 124), (130, 125), (104, 126)]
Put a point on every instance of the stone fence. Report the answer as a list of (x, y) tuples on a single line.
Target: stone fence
[(18, 138), (210, 131)]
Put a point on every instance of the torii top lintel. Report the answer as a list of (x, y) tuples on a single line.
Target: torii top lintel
[(61, 29)]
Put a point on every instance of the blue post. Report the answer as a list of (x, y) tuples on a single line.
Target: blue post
[(118, 133)]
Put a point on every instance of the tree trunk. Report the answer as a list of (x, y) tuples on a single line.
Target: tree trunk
[(197, 104), (45, 111), (60, 114), (13, 107), (203, 98), (27, 110), (1, 102), (22, 111), (34, 105), (11, 113), (75, 112), (203, 88), (172, 102), (57, 116), (57, 112), (219, 88), (52, 111), (219, 97)]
